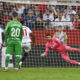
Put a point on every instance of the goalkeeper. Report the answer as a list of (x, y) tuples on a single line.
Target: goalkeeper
[(13, 38), (62, 49)]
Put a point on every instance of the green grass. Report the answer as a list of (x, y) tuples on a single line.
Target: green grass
[(41, 74)]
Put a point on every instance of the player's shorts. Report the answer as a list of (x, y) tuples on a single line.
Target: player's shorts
[(64, 51), (64, 55), (14, 47), (67, 47), (26, 46)]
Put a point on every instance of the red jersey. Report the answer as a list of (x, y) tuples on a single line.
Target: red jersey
[(55, 45)]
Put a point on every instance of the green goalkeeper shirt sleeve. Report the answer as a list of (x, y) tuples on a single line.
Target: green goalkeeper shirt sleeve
[(6, 33)]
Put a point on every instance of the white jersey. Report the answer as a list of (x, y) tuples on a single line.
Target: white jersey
[(1, 30), (61, 36), (26, 35)]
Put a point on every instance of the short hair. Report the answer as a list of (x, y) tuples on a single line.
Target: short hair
[(15, 14), (48, 35), (23, 22)]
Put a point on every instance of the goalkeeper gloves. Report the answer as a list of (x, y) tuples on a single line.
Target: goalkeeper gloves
[(43, 54)]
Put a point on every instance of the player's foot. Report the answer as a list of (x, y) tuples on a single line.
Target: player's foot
[(79, 63), (6, 69), (17, 69)]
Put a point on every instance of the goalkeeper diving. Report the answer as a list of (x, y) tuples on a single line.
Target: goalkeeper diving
[(62, 49)]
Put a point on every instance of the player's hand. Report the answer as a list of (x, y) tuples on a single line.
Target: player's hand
[(43, 54)]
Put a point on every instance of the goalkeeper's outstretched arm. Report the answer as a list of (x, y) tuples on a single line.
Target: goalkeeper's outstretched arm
[(46, 51), (43, 54)]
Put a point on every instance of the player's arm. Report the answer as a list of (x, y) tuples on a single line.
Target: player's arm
[(21, 34), (34, 19), (33, 38), (66, 37), (6, 33), (3, 37), (54, 35), (46, 51)]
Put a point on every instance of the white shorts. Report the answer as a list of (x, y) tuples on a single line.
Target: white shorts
[(26, 46)]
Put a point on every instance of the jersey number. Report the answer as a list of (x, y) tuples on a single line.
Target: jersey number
[(15, 32), (24, 32)]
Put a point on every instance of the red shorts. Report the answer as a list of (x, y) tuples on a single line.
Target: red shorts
[(64, 54), (63, 51)]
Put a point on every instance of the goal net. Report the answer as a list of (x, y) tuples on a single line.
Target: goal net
[(46, 17)]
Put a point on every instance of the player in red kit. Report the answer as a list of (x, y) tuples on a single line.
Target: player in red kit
[(58, 46)]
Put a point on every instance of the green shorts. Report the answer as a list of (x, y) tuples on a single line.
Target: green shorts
[(14, 47)]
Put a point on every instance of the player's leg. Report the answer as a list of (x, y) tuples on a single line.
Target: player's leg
[(0, 48), (75, 49), (26, 51), (9, 52), (18, 53), (67, 58), (25, 54), (18, 57), (7, 61), (72, 49)]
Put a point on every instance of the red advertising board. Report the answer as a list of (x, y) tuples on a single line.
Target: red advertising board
[(73, 36)]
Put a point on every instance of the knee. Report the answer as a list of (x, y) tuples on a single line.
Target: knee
[(8, 55), (68, 60), (18, 57), (69, 49)]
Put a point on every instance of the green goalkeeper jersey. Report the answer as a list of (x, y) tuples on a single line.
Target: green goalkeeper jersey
[(13, 31)]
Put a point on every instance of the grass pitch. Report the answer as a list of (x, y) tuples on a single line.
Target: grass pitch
[(41, 74)]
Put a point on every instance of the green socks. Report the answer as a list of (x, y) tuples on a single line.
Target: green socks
[(7, 61), (17, 61)]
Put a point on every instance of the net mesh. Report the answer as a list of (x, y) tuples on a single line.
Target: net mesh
[(48, 15)]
